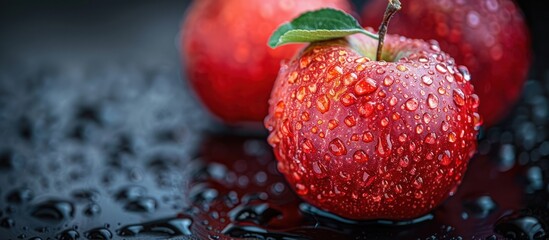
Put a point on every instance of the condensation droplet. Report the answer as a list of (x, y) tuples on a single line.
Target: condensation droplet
[(411, 104), (323, 104), (432, 101), (459, 97), (427, 80), (365, 86), (360, 156), (337, 147)]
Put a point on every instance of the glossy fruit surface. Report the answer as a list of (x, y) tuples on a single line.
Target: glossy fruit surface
[(490, 37), (227, 60), (373, 139)]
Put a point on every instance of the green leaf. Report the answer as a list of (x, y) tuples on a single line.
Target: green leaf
[(319, 25)]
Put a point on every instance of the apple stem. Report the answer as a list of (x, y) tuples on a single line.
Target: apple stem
[(392, 8)]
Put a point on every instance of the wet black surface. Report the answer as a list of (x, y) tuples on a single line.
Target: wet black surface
[(102, 139)]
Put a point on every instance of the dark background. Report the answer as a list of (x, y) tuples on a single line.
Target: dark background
[(95, 114)]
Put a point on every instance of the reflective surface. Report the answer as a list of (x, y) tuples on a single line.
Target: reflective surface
[(102, 139)]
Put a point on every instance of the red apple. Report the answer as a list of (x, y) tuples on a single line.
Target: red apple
[(227, 60), (489, 37), (369, 139)]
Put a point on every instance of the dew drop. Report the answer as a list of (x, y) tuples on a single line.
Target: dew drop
[(366, 109), (332, 124), (445, 126), (348, 99), (292, 77), (350, 121), (349, 79), (367, 137), (441, 91), (301, 189), (301, 93), (430, 138), (337, 147), (411, 104), (402, 137), (459, 97), (388, 80), (308, 146), (365, 86), (385, 122), (441, 68), (419, 129), (452, 137), (427, 80), (384, 145), (432, 101), (402, 68), (323, 104), (427, 118), (360, 156), (444, 158), (393, 101)]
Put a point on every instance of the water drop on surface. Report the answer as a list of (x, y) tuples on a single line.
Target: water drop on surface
[(170, 227), (337, 147), (427, 80), (480, 207), (323, 104), (388, 80), (99, 233), (53, 210), (365, 86), (430, 138), (432, 101), (360, 156), (69, 234), (411, 104), (459, 97)]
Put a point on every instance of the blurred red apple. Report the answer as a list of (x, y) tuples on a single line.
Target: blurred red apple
[(489, 37), (225, 52)]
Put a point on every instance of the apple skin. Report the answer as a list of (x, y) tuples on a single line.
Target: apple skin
[(394, 151), (226, 57), (489, 37)]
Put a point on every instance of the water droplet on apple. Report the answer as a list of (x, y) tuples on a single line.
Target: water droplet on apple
[(337, 147), (292, 77), (360, 156), (393, 101), (441, 68), (388, 80), (385, 122), (419, 129), (301, 189), (384, 146), (411, 104), (444, 158), (350, 121), (308, 146), (348, 99), (459, 97), (366, 109), (427, 80), (452, 137), (365, 86), (367, 137), (332, 124), (301, 93), (323, 104), (430, 138), (432, 101)]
